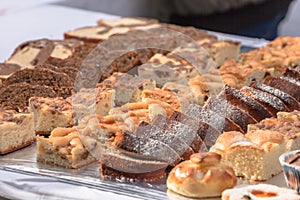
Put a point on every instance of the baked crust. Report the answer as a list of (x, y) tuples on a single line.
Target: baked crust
[(201, 176)]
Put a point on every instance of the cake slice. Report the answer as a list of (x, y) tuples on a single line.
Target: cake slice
[(146, 146), (63, 148), (49, 113), (289, 129), (224, 108), (244, 72), (284, 85), (129, 166), (36, 52), (181, 132), (290, 102), (127, 88), (177, 102), (220, 123), (7, 69), (292, 75), (61, 83), (16, 131), (205, 131), (272, 103), (10, 97), (245, 102), (254, 155)]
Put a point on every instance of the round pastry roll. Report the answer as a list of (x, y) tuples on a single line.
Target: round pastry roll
[(201, 176)]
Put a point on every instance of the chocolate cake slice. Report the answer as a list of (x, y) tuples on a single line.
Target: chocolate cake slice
[(172, 139), (155, 149), (220, 123), (245, 103), (7, 69), (16, 96), (290, 102), (226, 109), (129, 166), (284, 85), (272, 103), (205, 131)]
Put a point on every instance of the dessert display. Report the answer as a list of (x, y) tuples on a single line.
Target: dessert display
[(201, 176), (151, 101), (16, 131), (259, 191)]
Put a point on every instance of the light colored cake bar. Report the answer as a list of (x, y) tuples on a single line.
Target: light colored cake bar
[(49, 113), (16, 131), (63, 148)]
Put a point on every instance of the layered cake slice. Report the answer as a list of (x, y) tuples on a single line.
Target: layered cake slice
[(272, 103), (63, 148), (290, 102), (245, 102), (254, 155), (16, 131), (49, 113), (284, 85), (220, 123)]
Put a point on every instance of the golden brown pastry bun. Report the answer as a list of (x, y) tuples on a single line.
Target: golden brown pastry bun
[(201, 176)]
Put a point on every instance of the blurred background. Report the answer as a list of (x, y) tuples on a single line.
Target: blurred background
[(260, 16), (34, 19)]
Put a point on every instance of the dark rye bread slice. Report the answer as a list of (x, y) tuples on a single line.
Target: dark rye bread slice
[(284, 85), (272, 103), (205, 131), (292, 75), (128, 166), (172, 139), (226, 109), (146, 146), (245, 103), (61, 83), (220, 123), (290, 102), (16, 96)]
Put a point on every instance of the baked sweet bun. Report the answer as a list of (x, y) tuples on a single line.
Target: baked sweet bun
[(201, 176), (260, 191)]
